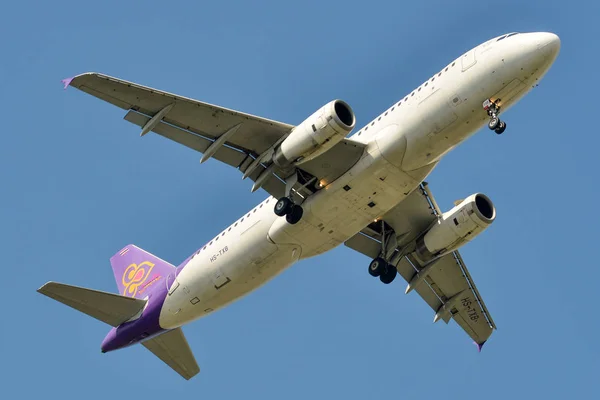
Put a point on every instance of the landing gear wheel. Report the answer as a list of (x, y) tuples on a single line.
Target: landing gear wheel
[(295, 214), (388, 275), (501, 128), (494, 123), (377, 266), (283, 206)]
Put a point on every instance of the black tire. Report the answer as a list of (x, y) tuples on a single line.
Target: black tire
[(501, 128), (388, 275), (295, 215), (283, 206), (377, 266), (494, 122)]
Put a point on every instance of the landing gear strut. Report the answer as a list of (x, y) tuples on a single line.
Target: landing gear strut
[(493, 109), (380, 267), (286, 206)]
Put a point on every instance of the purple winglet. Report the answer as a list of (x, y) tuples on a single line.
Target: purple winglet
[(479, 345), (67, 82)]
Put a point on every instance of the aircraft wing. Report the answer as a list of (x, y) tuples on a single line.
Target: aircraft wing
[(240, 137), (446, 284)]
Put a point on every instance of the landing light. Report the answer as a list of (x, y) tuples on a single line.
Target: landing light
[(321, 184)]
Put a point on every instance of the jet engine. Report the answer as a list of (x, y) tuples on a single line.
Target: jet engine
[(317, 134), (456, 227)]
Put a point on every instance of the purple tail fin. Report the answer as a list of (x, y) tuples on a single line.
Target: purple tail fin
[(137, 271)]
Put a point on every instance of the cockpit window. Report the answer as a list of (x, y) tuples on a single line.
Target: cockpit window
[(507, 36)]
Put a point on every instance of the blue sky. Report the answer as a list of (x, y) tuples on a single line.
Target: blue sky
[(78, 183)]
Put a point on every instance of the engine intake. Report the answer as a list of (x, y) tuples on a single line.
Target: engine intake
[(317, 134), (456, 227)]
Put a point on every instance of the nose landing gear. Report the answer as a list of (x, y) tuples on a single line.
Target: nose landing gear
[(493, 109)]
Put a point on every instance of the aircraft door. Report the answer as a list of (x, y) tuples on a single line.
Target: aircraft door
[(219, 278), (468, 60)]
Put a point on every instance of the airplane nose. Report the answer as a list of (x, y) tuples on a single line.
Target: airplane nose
[(549, 44)]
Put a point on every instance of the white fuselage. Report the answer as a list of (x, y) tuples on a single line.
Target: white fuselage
[(403, 145)]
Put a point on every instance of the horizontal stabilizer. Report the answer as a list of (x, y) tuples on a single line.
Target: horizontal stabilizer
[(106, 307), (173, 348)]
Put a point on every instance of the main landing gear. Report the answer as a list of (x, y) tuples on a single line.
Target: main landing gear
[(286, 206), (381, 268), (293, 212), (493, 109)]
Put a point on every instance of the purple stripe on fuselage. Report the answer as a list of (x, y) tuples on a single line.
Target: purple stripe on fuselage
[(147, 326)]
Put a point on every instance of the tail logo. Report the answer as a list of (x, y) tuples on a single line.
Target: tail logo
[(134, 276)]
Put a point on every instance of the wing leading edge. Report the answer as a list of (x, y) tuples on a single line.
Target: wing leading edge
[(444, 284)]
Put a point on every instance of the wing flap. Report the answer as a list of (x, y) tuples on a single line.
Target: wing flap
[(173, 349), (110, 308), (364, 244), (407, 271), (225, 154)]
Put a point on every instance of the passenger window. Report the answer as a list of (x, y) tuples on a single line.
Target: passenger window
[(210, 243), (419, 90), (412, 94), (235, 225), (406, 99), (446, 70), (440, 74), (426, 83), (453, 64), (379, 119), (394, 107), (385, 115)]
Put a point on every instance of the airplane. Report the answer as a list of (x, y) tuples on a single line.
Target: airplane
[(367, 191)]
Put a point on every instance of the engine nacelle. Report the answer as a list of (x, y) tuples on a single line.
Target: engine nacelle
[(317, 134), (456, 227)]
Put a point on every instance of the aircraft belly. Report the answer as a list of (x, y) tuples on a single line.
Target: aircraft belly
[(221, 273), (344, 207)]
